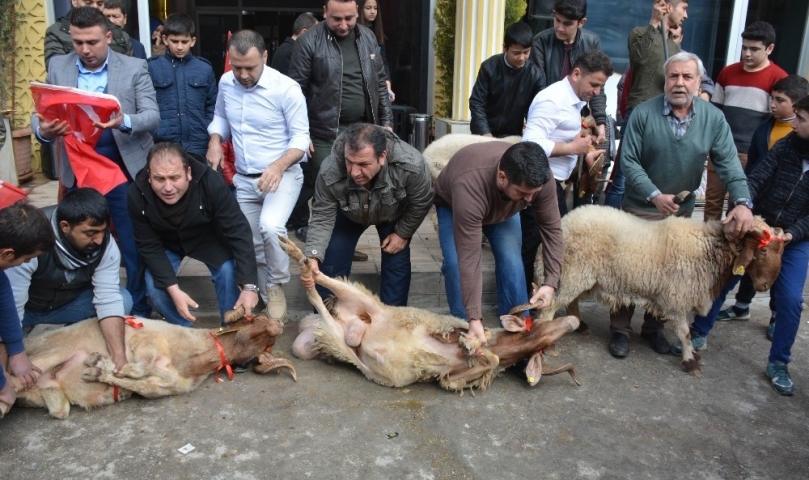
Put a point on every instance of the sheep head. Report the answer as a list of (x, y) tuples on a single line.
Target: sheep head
[(760, 255)]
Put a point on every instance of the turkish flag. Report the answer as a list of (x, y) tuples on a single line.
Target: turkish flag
[(10, 194), (81, 110), (228, 153)]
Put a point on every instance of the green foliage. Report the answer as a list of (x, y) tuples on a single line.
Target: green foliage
[(444, 44), (10, 18)]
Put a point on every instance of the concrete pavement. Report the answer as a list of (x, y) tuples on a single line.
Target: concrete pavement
[(641, 417)]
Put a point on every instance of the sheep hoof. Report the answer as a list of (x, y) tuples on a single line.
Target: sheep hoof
[(584, 329), (692, 367)]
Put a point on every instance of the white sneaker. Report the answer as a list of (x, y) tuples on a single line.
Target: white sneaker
[(276, 302)]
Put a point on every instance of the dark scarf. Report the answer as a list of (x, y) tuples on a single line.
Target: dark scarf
[(68, 256), (174, 214)]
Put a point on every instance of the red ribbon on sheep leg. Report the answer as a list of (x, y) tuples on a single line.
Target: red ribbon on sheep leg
[(130, 320), (224, 363)]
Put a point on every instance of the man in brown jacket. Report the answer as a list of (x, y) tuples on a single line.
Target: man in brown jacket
[(482, 189)]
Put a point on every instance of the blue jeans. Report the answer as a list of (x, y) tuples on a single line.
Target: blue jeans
[(394, 281), (78, 309), (505, 239), (125, 233), (615, 193), (224, 281), (787, 295)]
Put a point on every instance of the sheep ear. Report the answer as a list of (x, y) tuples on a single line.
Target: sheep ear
[(745, 256), (513, 323), (534, 369)]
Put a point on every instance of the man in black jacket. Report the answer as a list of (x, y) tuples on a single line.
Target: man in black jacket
[(183, 208), (283, 54), (556, 49), (506, 85)]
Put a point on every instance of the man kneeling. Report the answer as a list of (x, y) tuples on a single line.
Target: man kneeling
[(79, 279)]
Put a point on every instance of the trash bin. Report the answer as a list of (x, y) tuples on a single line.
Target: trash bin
[(420, 130)]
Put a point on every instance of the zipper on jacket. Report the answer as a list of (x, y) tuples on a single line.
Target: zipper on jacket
[(505, 105), (340, 96), (367, 85), (789, 197)]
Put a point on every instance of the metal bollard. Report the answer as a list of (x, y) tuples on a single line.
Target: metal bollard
[(420, 130)]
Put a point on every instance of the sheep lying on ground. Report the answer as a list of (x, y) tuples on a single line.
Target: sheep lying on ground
[(672, 267), (164, 359), (397, 346)]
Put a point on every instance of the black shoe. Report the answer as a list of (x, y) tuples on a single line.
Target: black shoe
[(619, 345), (658, 341), (240, 367), (301, 233), (360, 257)]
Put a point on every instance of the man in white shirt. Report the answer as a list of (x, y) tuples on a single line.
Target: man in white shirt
[(264, 112), (554, 122)]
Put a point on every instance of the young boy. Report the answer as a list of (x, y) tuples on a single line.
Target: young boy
[(779, 189), (506, 85), (743, 93), (25, 232), (784, 93), (185, 86)]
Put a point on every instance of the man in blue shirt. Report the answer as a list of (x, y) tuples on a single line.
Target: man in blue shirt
[(25, 232)]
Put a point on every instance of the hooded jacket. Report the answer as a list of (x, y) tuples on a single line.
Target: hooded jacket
[(212, 231)]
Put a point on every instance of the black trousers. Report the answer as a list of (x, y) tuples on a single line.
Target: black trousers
[(531, 238)]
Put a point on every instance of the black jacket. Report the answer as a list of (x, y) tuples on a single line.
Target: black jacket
[(501, 96), (317, 65), (779, 188), (214, 229), (282, 56), (548, 52)]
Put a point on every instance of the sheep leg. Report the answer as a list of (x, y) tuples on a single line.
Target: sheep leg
[(573, 309), (305, 344), (690, 358), (155, 382)]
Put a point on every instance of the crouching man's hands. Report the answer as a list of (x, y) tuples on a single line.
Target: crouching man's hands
[(21, 367), (476, 330), (738, 222), (112, 329), (248, 300), (393, 244), (182, 301), (542, 295), (308, 281)]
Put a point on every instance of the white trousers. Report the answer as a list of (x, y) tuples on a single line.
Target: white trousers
[(268, 215)]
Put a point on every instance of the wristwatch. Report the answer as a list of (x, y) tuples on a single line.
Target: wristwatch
[(249, 287), (744, 201)]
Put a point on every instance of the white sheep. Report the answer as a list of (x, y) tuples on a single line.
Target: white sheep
[(672, 267)]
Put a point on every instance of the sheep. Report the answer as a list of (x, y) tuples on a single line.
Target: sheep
[(671, 267), (397, 346), (164, 359)]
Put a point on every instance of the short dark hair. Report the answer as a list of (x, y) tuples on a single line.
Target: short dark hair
[(178, 24), (518, 34), (802, 104), (674, 3), (87, 17), (83, 204), (113, 4), (793, 86), (167, 149), (760, 31), (326, 2), (571, 9), (244, 40), (304, 21), (525, 163), (360, 135), (593, 61), (25, 229)]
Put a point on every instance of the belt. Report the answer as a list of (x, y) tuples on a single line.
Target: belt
[(250, 175)]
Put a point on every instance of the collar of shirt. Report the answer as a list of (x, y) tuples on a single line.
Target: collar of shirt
[(678, 125), (571, 98), (92, 80)]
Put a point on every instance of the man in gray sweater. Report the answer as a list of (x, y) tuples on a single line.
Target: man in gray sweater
[(664, 149), (78, 279)]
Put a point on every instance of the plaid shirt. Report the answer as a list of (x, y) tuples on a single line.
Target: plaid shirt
[(678, 126)]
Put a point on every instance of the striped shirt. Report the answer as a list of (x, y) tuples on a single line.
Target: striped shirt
[(678, 125)]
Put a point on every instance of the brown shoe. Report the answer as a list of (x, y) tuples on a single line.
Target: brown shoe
[(276, 302), (360, 257)]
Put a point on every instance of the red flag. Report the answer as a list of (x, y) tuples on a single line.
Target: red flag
[(81, 109), (228, 153), (10, 194)]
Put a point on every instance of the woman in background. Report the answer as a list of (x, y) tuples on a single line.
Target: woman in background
[(371, 18)]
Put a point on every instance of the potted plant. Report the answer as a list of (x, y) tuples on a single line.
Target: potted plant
[(20, 133)]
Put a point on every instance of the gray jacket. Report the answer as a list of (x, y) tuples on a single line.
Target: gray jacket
[(548, 52), (402, 193), (317, 65)]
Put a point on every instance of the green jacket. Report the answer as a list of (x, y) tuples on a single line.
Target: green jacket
[(402, 193), (58, 41), (653, 159)]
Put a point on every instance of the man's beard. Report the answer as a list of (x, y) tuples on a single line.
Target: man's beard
[(680, 103)]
